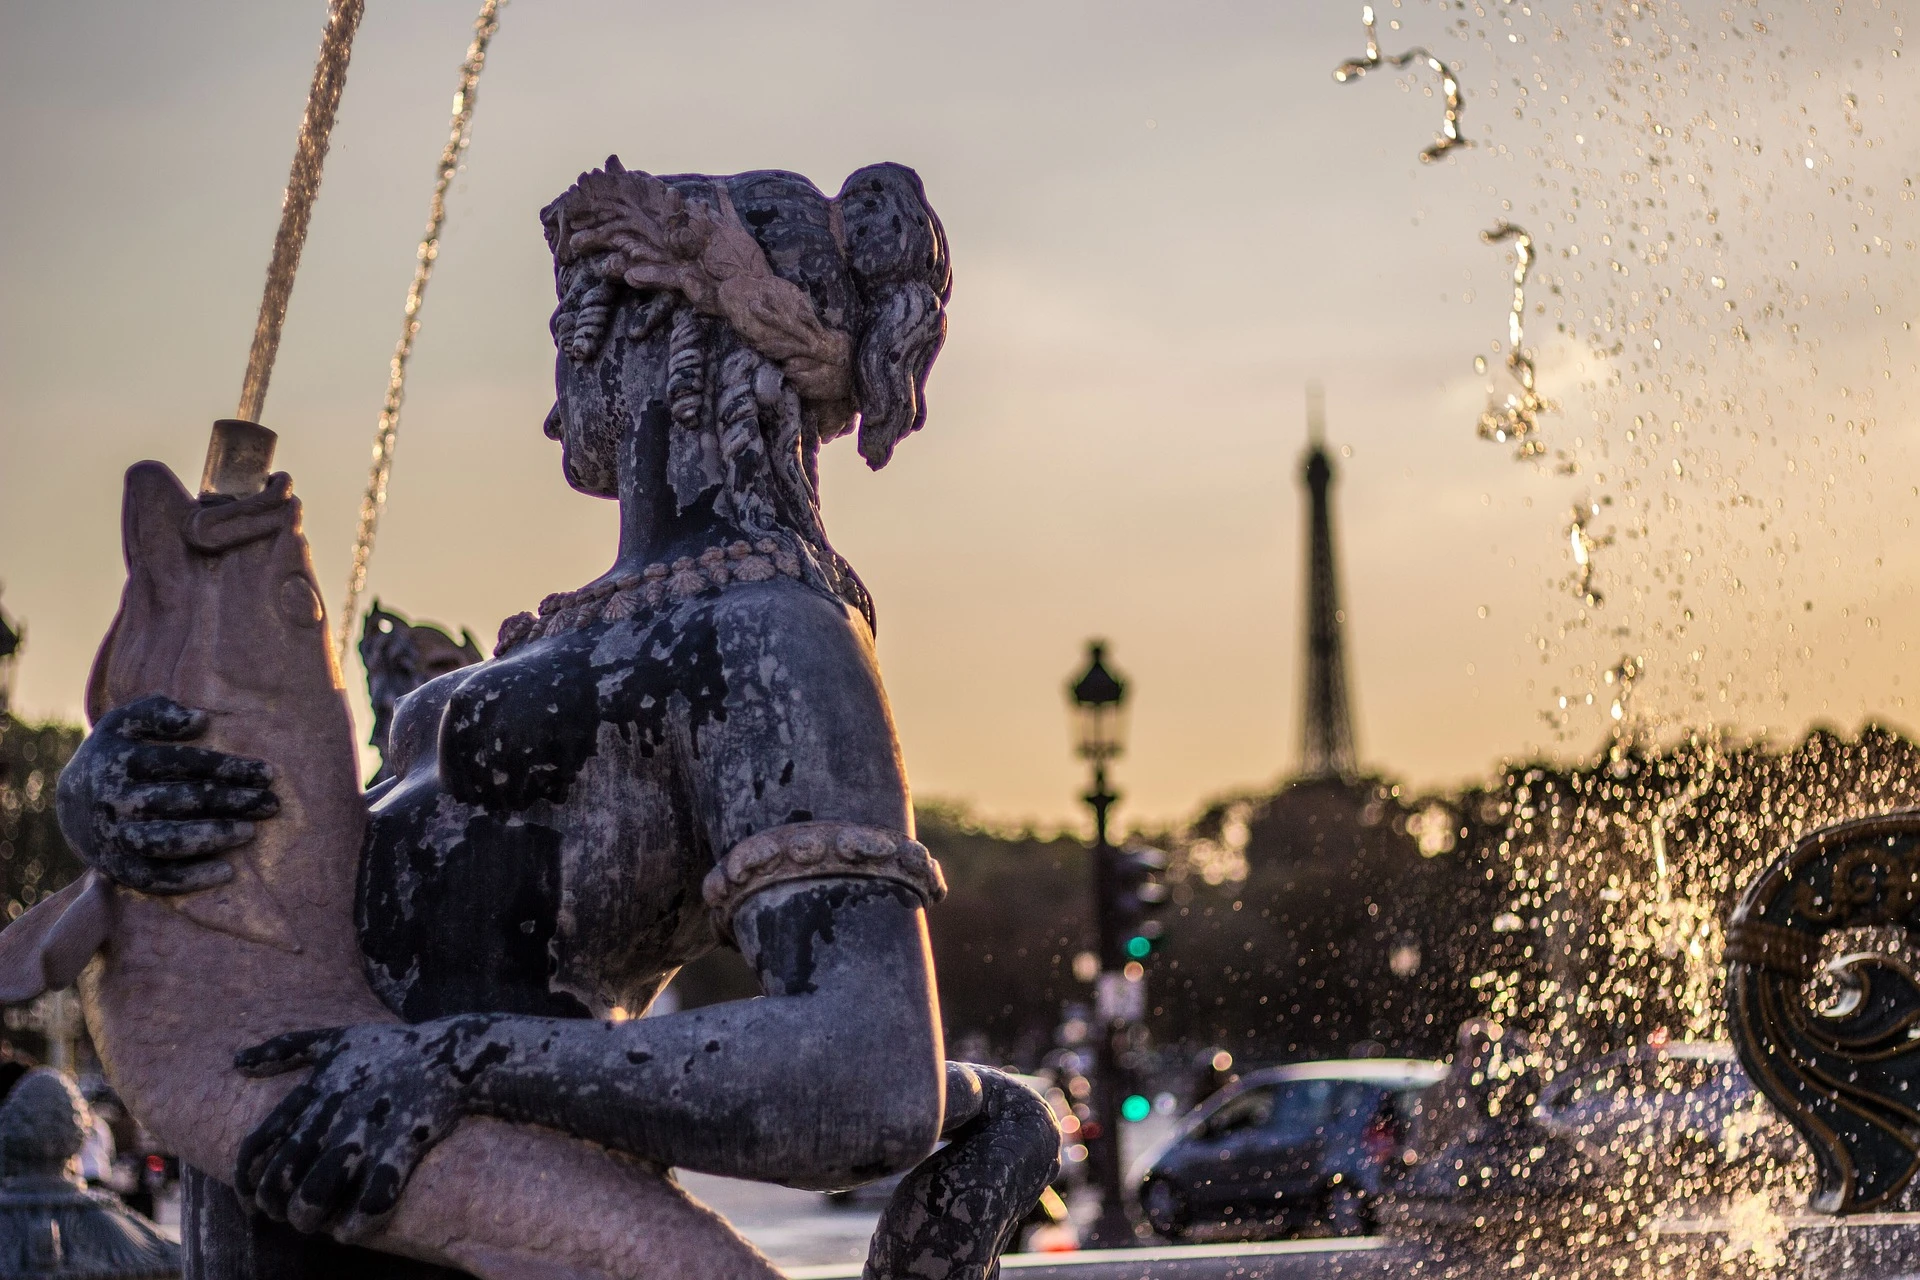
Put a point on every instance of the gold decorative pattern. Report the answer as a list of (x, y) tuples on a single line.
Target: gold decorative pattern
[(1769, 946), (627, 594), (1857, 896), (810, 850)]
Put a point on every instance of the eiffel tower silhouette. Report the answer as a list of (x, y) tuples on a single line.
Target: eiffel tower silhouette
[(1326, 720)]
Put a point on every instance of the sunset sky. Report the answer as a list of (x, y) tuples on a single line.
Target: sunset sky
[(1166, 220)]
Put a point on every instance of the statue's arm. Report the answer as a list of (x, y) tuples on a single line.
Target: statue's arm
[(835, 1077)]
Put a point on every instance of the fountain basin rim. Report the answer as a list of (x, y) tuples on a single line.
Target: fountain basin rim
[(1801, 1221), (1162, 1253)]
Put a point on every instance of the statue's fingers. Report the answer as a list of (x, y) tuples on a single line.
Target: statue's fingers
[(287, 1167), (200, 800), (168, 878), (159, 762), (384, 1183), (172, 839), (260, 1146), (651, 275), (329, 1189), (286, 1052), (156, 719)]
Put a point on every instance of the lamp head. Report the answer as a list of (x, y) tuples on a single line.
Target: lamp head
[(1099, 702)]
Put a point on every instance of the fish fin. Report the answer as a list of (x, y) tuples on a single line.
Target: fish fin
[(45, 949)]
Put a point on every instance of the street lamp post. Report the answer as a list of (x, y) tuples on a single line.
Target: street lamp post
[(1099, 698)]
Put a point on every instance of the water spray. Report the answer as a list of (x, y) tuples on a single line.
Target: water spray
[(1621, 675), (240, 450), (1582, 543), (1518, 418), (459, 134), (1354, 68)]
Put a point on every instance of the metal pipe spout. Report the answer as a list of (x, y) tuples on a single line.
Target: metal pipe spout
[(239, 459)]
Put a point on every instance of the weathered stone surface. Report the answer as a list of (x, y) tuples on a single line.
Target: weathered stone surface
[(187, 981), (533, 870), (1823, 990), (951, 1217)]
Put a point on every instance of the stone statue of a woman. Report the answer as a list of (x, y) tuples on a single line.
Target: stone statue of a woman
[(692, 750)]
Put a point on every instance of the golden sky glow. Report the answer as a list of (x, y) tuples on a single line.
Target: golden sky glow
[(1166, 219)]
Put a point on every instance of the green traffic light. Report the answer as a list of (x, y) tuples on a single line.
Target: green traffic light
[(1139, 947), (1135, 1108)]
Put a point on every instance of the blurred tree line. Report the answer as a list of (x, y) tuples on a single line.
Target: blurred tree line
[(1303, 923), (34, 858), (1322, 916)]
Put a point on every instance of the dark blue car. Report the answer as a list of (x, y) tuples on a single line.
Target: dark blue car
[(1285, 1150)]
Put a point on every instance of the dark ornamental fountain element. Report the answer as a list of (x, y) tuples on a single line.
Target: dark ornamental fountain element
[(1823, 1002), (50, 1224)]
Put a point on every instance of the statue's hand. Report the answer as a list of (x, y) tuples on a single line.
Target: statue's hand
[(337, 1152), (149, 813)]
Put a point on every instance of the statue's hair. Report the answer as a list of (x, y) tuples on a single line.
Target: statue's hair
[(897, 254), (789, 318), (794, 295)]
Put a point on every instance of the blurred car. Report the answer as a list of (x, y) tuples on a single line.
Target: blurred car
[(1474, 1152), (1284, 1150), (1685, 1107), (1641, 1129)]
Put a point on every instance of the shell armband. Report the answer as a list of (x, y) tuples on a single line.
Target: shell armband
[(815, 850)]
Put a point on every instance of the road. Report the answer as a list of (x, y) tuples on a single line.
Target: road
[(793, 1228)]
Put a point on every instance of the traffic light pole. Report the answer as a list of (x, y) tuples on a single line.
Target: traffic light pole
[(1113, 1228)]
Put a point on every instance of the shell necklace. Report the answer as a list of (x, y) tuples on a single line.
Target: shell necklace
[(625, 595)]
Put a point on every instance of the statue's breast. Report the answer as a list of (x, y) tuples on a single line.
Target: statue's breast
[(536, 853), (520, 730)]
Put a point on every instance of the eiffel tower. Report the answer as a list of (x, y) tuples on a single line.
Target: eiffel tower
[(1326, 721)]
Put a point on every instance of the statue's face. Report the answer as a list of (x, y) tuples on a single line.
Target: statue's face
[(588, 417), (576, 422)]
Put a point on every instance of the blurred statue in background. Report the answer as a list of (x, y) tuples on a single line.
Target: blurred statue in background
[(50, 1223), (400, 656)]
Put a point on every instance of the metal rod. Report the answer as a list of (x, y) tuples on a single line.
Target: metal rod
[(459, 133)]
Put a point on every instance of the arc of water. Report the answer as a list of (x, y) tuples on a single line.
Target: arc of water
[(1518, 419), (459, 134), (296, 206), (1354, 68)]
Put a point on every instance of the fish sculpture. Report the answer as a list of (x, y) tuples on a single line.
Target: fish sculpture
[(221, 612)]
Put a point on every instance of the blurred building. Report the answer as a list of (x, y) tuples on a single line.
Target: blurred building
[(10, 637)]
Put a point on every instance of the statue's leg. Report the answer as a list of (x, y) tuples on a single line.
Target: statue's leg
[(951, 1217), (221, 1241)]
